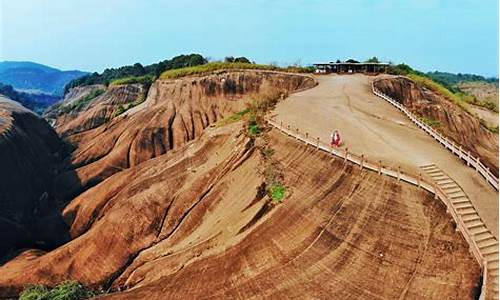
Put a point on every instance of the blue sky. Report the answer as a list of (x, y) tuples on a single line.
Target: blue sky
[(447, 35)]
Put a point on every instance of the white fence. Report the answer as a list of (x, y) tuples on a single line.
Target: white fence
[(417, 180), (466, 156)]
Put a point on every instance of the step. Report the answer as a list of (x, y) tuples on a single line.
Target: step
[(489, 249), (486, 244), (452, 190), (460, 200), (470, 218), (483, 236), (434, 171), (474, 223), (427, 167), (457, 197), (466, 211), (493, 265), (444, 181), (479, 230), (463, 205), (448, 185), (439, 177), (491, 257), (456, 194)]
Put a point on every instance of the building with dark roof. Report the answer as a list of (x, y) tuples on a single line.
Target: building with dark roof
[(350, 66)]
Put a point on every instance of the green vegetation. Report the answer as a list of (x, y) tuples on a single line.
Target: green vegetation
[(215, 66), (69, 290), (146, 80), (373, 60), (431, 122), (237, 59), (257, 129), (123, 108), (277, 192), (450, 79), (82, 102), (234, 117), (254, 129), (445, 87), (137, 70)]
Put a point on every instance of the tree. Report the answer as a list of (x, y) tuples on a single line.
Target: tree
[(242, 59), (373, 60), (137, 70), (229, 59)]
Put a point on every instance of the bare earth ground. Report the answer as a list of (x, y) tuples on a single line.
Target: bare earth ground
[(371, 126), (342, 234)]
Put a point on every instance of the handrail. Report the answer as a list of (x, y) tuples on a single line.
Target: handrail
[(433, 188), (471, 161)]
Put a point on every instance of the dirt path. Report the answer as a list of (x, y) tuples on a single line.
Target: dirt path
[(371, 126)]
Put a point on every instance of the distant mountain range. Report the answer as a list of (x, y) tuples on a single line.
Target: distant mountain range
[(34, 85), (36, 78)]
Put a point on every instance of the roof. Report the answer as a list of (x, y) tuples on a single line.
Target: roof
[(349, 63)]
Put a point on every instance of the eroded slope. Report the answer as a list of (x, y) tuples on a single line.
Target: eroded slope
[(192, 223), (174, 113), (459, 125), (30, 154)]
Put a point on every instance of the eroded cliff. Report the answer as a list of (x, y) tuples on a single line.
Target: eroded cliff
[(453, 121)]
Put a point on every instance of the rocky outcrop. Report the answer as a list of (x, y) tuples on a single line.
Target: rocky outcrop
[(173, 113), (456, 123), (30, 154)]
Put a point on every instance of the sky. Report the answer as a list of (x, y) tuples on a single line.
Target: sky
[(91, 35)]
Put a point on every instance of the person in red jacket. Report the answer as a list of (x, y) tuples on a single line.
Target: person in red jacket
[(335, 138)]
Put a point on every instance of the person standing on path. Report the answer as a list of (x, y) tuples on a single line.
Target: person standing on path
[(335, 138)]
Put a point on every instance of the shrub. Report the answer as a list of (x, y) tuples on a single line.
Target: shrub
[(146, 80), (277, 192), (254, 129), (69, 290), (82, 102), (431, 122)]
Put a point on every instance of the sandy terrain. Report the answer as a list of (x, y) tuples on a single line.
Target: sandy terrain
[(371, 126)]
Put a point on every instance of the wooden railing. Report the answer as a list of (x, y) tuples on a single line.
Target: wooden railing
[(398, 174), (466, 156)]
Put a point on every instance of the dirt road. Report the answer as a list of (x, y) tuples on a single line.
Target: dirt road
[(371, 126)]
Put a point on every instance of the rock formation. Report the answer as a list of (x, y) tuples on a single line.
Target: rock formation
[(30, 155)]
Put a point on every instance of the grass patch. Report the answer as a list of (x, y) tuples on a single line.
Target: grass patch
[(146, 80), (214, 66), (123, 108), (69, 290), (234, 117), (277, 192), (459, 99), (431, 122), (82, 102), (254, 130)]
